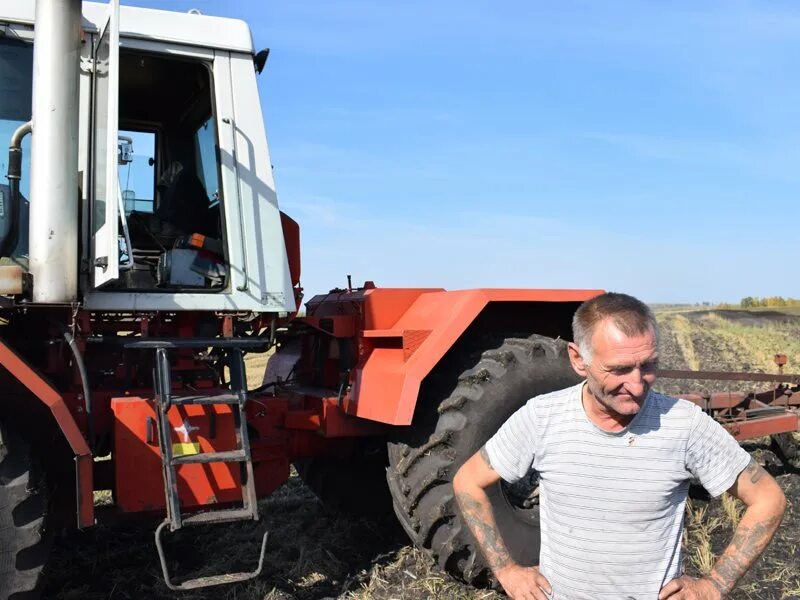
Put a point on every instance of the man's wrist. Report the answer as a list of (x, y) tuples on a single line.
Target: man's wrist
[(720, 588), (502, 569)]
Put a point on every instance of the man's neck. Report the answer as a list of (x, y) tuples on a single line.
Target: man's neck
[(598, 414)]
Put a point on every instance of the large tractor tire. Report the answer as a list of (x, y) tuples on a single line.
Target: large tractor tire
[(23, 545), (354, 485), (476, 387)]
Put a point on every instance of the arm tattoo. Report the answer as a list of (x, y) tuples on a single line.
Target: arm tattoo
[(485, 456), (747, 544), (754, 470), (478, 517), (718, 586)]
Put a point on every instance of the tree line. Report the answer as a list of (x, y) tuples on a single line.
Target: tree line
[(768, 301)]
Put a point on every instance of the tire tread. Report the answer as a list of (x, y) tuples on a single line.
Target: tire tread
[(23, 511), (454, 400)]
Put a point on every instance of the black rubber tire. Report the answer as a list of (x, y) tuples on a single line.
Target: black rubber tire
[(785, 448), (476, 387), (354, 485), (23, 505)]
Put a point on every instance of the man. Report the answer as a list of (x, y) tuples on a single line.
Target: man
[(615, 460)]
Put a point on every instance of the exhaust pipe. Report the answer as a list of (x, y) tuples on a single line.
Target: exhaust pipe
[(53, 225)]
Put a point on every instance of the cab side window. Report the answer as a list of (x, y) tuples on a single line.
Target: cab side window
[(205, 141)]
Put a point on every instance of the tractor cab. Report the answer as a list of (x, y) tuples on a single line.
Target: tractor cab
[(176, 200)]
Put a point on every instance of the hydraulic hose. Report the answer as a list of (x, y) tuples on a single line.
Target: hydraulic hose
[(87, 395), (10, 210)]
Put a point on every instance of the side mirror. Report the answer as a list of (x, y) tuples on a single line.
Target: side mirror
[(124, 150), (260, 60)]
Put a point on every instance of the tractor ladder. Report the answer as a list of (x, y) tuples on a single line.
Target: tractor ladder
[(236, 398)]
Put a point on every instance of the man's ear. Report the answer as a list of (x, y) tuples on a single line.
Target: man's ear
[(576, 360)]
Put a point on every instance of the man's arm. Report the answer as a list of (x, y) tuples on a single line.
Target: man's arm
[(765, 504), (765, 507), (470, 485)]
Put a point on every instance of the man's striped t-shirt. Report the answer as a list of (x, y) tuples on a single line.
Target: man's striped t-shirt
[(612, 504)]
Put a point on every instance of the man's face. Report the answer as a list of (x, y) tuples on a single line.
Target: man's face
[(622, 368)]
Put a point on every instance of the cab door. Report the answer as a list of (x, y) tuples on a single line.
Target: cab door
[(105, 124)]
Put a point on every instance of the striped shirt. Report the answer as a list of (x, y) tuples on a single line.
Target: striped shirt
[(612, 504)]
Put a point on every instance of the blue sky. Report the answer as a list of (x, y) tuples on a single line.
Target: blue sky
[(644, 147)]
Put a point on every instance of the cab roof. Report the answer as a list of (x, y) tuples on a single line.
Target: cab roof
[(150, 24)]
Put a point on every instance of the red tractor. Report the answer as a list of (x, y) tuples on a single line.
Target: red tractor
[(144, 255)]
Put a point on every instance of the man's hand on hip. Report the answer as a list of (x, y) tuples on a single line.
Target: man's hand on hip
[(766, 504), (469, 485), (524, 583), (689, 588)]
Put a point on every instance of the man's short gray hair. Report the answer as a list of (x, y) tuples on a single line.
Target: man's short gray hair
[(629, 315)]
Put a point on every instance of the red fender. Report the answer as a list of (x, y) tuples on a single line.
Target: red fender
[(50, 397), (407, 332)]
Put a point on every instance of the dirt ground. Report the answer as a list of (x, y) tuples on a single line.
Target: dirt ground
[(315, 554)]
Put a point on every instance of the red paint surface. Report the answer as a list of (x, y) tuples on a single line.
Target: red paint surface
[(409, 331), (139, 482), (43, 391)]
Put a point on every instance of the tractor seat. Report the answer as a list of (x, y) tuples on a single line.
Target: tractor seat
[(182, 209), (183, 202)]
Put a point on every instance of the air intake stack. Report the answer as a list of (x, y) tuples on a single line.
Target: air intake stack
[(53, 227)]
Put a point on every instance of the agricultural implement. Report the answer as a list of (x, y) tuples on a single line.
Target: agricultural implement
[(144, 255), (748, 415)]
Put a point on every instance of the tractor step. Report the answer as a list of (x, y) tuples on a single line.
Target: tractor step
[(210, 457), (208, 581), (220, 516), (203, 582), (218, 399), (236, 398)]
